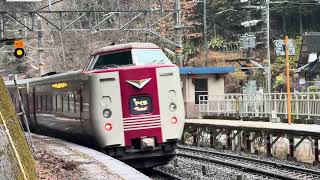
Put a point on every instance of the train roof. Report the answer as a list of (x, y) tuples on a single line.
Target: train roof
[(127, 46), (46, 78), (19, 82)]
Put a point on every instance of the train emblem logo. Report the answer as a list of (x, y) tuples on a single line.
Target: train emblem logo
[(139, 83), (141, 105)]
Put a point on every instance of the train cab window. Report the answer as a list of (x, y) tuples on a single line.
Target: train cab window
[(149, 56), (113, 60)]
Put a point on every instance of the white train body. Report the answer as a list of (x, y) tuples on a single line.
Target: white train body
[(127, 102)]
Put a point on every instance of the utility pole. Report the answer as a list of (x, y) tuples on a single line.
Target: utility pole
[(39, 27), (268, 45), (1, 27), (178, 33), (205, 32)]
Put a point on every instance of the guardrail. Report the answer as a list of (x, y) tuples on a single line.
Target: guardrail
[(305, 105)]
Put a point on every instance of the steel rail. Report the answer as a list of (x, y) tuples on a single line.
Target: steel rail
[(238, 166), (249, 168), (255, 160)]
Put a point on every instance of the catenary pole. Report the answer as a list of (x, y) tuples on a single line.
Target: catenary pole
[(205, 32), (268, 55), (178, 33)]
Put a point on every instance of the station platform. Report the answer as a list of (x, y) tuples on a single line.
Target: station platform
[(91, 164), (297, 129), (251, 130)]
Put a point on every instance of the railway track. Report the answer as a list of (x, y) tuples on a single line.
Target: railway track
[(250, 165)]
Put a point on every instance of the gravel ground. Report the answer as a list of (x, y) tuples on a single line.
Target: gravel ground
[(272, 159), (49, 167), (192, 169)]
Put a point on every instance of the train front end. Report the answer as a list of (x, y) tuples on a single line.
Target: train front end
[(137, 110)]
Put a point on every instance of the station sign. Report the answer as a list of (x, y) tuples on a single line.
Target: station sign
[(280, 47)]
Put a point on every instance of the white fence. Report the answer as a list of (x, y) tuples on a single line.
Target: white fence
[(306, 105)]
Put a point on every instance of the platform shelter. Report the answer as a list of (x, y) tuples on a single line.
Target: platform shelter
[(198, 81)]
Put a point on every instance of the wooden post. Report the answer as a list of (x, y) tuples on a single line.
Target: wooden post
[(288, 80), (316, 152), (248, 141), (269, 146), (212, 132), (291, 148), (229, 139), (194, 135)]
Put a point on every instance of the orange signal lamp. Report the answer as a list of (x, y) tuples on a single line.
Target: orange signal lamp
[(18, 44)]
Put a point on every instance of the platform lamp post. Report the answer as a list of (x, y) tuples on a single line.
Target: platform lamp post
[(268, 70)]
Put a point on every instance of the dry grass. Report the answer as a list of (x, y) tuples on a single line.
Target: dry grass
[(216, 58), (53, 168)]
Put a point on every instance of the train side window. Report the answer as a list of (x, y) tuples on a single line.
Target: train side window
[(68, 100), (39, 102), (77, 97), (35, 102), (75, 102), (71, 102), (62, 103), (49, 103), (45, 105), (65, 103), (53, 103), (58, 103)]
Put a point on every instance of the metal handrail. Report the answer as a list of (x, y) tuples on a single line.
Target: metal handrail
[(259, 104)]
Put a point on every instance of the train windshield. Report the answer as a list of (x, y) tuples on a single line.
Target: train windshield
[(104, 61), (149, 56)]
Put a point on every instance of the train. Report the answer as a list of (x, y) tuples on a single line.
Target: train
[(126, 102)]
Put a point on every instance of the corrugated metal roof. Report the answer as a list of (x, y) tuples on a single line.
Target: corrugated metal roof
[(127, 46), (310, 44), (206, 70), (311, 68)]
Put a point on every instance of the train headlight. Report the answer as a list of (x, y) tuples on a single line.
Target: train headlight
[(107, 113), (173, 107), (106, 100), (174, 120), (108, 126)]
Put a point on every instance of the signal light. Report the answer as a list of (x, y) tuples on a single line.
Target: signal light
[(174, 120), (108, 126), (18, 53)]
